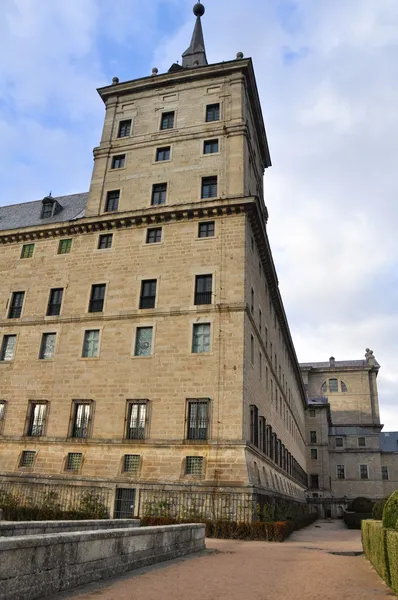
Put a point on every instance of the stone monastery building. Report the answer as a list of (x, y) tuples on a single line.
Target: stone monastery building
[(143, 341)]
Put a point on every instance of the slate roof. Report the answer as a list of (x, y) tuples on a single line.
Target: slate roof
[(17, 216), (389, 441), (338, 364)]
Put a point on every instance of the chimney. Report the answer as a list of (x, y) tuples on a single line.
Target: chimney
[(332, 362)]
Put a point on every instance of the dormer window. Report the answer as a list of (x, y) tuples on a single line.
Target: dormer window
[(49, 207)]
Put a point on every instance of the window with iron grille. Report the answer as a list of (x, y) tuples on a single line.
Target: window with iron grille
[(154, 235), (105, 241), (55, 302), (118, 161), (314, 482), (212, 112), (47, 346), (339, 442), (143, 341), (163, 153), (73, 461), (362, 442), (97, 298), (81, 419), (313, 437), (340, 472), (64, 246), (206, 229), (254, 424), (131, 463), (201, 338), (314, 454), (159, 193), (16, 304), (8, 347), (136, 419), (112, 201), (27, 458), (124, 128), (148, 293), (210, 146), (167, 120), (91, 343), (203, 289), (209, 187), (194, 465), (384, 473), (36, 418), (27, 250), (364, 471), (198, 419)]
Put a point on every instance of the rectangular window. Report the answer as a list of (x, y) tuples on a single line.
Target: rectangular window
[(91, 343), (314, 454), (27, 250), (27, 458), (105, 241), (201, 338), (212, 112), (136, 420), (54, 302), (198, 415), (206, 229), (124, 128), (333, 385), (203, 289), (167, 120), (143, 341), (47, 346), (314, 482), (252, 349), (210, 146), (312, 412), (97, 298), (260, 319), (163, 154), (254, 425), (209, 187), (252, 301), (194, 465), (154, 235), (340, 472), (81, 419), (2, 410), (148, 293), (364, 471), (313, 437), (159, 193), (384, 473), (118, 161), (260, 364), (8, 347), (64, 246), (73, 461), (362, 442), (131, 463), (112, 201), (36, 419), (339, 442), (16, 304)]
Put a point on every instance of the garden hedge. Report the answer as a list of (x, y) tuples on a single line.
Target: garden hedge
[(378, 508), (392, 553), (374, 546), (390, 512)]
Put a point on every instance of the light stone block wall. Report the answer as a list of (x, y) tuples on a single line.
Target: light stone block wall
[(390, 460), (21, 528), (321, 467)]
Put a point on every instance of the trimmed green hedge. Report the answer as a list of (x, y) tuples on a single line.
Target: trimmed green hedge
[(390, 512), (392, 552), (374, 546), (378, 508)]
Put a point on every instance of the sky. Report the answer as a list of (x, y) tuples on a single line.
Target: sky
[(327, 74)]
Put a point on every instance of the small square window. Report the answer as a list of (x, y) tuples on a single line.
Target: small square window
[(210, 147), (8, 348), (27, 458), (206, 229), (143, 341), (154, 235), (167, 121), (91, 343), (131, 463), (339, 442), (47, 347), (209, 187), (124, 128), (212, 112), (118, 161), (159, 193), (73, 461), (201, 338), (362, 442), (163, 154), (112, 201), (314, 454), (27, 250), (364, 471), (64, 246), (105, 241), (194, 465)]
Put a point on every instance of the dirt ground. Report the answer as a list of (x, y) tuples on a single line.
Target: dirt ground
[(301, 568)]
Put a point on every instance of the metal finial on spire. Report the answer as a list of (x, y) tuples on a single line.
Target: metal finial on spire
[(199, 10), (195, 56)]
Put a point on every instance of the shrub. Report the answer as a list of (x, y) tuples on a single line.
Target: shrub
[(353, 520), (390, 512), (361, 505), (378, 508), (374, 546), (392, 552)]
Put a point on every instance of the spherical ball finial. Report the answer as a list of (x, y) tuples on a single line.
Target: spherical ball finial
[(115, 80), (198, 10), (239, 55), (155, 71)]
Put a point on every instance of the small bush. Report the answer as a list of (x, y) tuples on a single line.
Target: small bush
[(392, 553), (390, 512), (361, 505), (378, 508), (374, 546), (353, 520)]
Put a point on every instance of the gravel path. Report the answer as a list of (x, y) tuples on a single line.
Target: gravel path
[(299, 569)]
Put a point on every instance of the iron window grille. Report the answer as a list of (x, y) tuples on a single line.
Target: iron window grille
[(131, 463), (206, 229), (47, 346), (159, 193), (105, 241), (167, 121), (148, 294), (194, 465), (198, 419), (340, 472), (124, 128), (64, 246), (384, 473), (112, 201), (154, 235), (361, 442), (36, 419), (210, 146), (314, 454), (73, 461), (254, 425), (143, 341), (136, 420), (203, 289), (212, 112), (8, 348), (55, 302), (364, 471), (81, 419), (90, 343), (97, 298), (118, 161), (163, 153), (201, 338), (27, 250), (17, 299), (313, 437), (209, 187), (27, 458)]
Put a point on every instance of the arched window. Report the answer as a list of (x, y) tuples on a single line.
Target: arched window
[(343, 387), (333, 385), (324, 388)]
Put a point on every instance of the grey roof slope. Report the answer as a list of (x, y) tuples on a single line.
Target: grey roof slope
[(338, 363), (389, 441), (17, 216)]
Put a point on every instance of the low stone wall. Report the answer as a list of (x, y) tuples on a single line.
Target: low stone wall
[(42, 565), (18, 528)]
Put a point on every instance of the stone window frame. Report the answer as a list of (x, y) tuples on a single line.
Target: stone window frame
[(158, 149), (164, 118), (342, 387), (28, 251), (340, 472), (30, 415), (360, 444), (61, 249), (12, 307), (118, 162), (148, 232), (107, 209), (186, 463), (41, 356), (3, 414), (127, 418), (23, 454), (83, 341), (385, 471), (66, 462), (105, 236), (144, 325), (73, 419), (362, 472), (5, 337), (199, 324), (210, 143), (188, 403), (123, 123), (131, 472), (206, 225), (60, 304), (314, 453), (96, 285)]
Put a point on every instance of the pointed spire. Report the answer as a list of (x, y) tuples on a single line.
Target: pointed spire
[(195, 56)]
